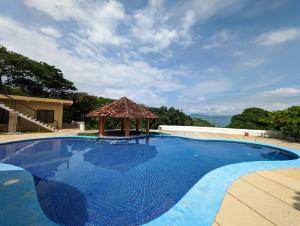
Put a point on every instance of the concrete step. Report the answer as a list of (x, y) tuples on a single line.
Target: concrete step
[(29, 118)]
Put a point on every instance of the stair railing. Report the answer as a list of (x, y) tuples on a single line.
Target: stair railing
[(15, 102)]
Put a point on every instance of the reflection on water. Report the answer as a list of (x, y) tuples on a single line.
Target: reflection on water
[(120, 156), (278, 154), (38, 155)]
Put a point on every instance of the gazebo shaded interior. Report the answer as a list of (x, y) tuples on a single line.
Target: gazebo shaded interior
[(125, 110)]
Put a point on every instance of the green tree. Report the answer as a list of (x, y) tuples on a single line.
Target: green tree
[(287, 121), (84, 103), (172, 116), (251, 118), (23, 76)]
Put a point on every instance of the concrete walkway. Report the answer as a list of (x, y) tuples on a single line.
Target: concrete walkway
[(15, 137), (278, 142), (262, 198)]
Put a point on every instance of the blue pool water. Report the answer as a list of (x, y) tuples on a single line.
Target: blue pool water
[(83, 181)]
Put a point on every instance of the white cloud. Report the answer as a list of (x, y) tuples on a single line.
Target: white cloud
[(283, 92), (220, 39), (236, 104), (51, 32), (218, 97), (152, 27), (97, 21), (194, 98), (254, 63), (204, 9), (214, 109), (278, 37), (238, 53), (158, 27), (95, 74), (204, 88), (59, 10)]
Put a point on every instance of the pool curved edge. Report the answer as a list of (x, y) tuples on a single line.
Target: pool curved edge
[(201, 203), (19, 197)]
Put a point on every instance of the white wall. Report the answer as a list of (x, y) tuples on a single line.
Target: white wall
[(260, 133)]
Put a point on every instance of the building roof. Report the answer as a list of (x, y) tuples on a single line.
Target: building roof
[(36, 99), (123, 108)]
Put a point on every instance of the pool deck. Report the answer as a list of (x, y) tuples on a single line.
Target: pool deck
[(270, 197), (15, 137), (262, 198)]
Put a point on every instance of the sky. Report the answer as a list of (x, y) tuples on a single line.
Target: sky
[(201, 56)]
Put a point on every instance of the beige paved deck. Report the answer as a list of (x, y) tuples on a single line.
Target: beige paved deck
[(257, 199), (263, 198), (288, 144), (64, 132)]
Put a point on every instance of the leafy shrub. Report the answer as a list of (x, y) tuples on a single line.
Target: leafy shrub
[(287, 121)]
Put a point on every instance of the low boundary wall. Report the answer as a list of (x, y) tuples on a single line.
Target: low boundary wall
[(243, 132)]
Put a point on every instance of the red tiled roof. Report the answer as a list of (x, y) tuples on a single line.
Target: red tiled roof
[(122, 108)]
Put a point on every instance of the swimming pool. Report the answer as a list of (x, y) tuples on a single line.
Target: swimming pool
[(122, 182)]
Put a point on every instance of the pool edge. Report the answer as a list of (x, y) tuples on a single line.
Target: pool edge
[(211, 188)]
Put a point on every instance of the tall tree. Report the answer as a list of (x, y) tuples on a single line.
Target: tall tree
[(172, 116), (21, 75)]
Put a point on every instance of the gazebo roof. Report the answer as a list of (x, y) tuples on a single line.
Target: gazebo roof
[(123, 108)]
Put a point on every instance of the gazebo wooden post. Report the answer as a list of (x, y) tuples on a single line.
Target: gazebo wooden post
[(148, 126), (127, 127), (102, 126), (137, 125), (122, 124)]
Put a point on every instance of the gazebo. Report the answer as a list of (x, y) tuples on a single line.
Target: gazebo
[(125, 110)]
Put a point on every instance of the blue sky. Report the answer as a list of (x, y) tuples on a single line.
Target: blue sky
[(202, 56)]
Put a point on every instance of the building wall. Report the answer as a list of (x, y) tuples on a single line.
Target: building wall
[(28, 126)]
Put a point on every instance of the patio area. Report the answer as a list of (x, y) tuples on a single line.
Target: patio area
[(262, 198)]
